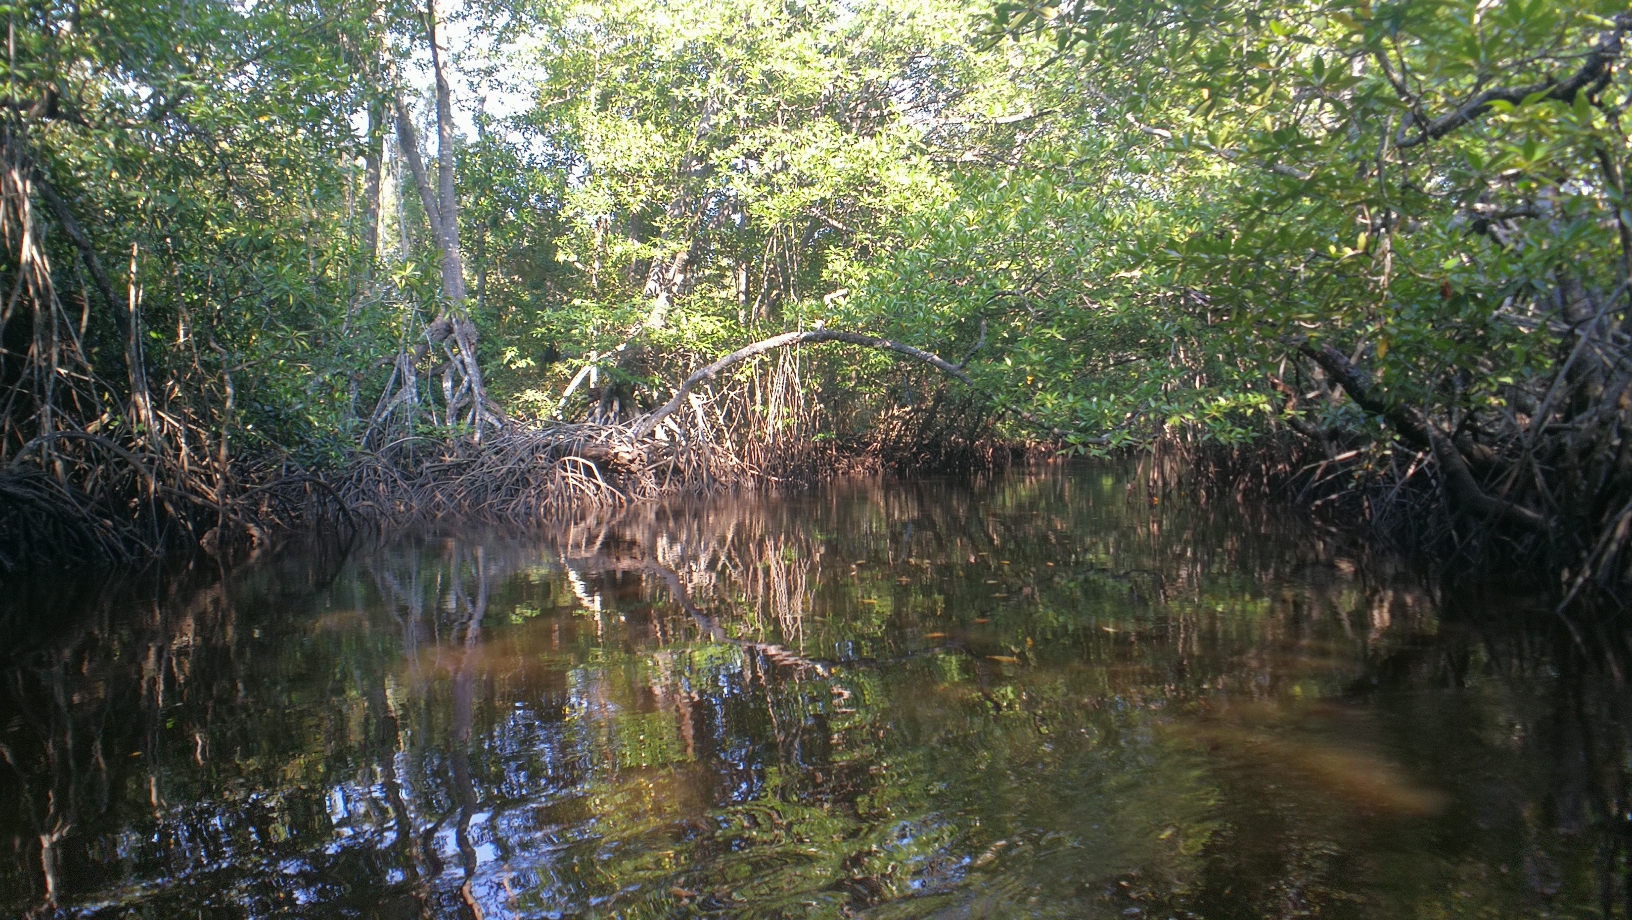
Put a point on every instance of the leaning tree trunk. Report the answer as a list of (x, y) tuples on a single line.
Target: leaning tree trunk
[(441, 203)]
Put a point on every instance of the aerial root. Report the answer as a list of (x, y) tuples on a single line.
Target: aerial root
[(130, 495)]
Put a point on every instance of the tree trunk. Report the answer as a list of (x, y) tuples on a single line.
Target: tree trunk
[(453, 268), (371, 187), (399, 169), (442, 213), (408, 144), (126, 313), (1414, 428)]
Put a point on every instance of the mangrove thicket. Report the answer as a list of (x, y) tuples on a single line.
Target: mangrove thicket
[(332, 263)]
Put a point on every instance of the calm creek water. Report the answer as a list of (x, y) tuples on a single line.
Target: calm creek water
[(1050, 694)]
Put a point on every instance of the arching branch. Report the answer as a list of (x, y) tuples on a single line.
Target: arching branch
[(645, 426)]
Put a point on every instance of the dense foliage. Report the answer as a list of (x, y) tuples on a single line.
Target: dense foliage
[(233, 243), (1414, 225)]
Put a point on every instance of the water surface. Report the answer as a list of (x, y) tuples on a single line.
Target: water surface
[(1051, 694)]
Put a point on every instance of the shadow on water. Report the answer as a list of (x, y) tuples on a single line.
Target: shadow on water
[(1038, 695)]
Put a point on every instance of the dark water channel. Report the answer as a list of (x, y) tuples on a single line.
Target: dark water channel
[(1039, 696)]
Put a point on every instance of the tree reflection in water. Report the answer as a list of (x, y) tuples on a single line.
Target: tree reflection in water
[(1040, 695)]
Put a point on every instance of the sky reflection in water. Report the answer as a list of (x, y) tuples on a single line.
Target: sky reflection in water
[(1040, 696)]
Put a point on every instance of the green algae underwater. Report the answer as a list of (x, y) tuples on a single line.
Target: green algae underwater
[(1038, 694)]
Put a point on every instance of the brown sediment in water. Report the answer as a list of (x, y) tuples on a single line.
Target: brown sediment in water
[(1291, 744), (1360, 778)]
